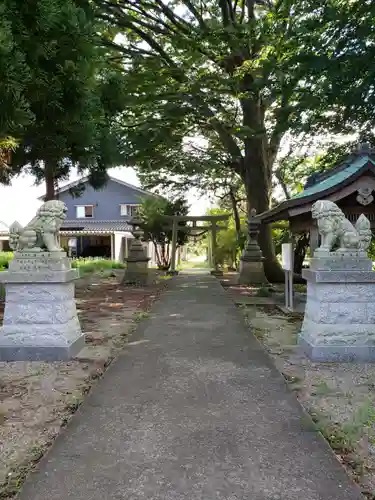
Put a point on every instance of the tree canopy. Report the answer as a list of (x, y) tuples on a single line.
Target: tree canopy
[(72, 94), (236, 75)]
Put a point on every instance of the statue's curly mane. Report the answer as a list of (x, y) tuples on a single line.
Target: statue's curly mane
[(327, 210), (50, 216), (49, 209)]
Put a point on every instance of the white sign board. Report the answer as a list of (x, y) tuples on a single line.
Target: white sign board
[(287, 256)]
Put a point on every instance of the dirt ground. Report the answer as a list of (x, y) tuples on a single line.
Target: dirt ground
[(38, 399), (339, 397)]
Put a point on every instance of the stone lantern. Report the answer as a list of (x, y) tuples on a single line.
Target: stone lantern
[(251, 266), (136, 272)]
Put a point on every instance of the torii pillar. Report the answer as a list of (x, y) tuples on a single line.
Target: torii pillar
[(215, 271)]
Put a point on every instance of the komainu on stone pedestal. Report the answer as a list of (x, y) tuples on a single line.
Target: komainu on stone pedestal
[(339, 321), (40, 318), (335, 229), (42, 232)]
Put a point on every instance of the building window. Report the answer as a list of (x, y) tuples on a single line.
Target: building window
[(129, 210), (84, 211)]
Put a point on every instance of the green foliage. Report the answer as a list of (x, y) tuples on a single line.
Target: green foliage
[(95, 265), (371, 250), (15, 75), (339, 36), (345, 438), (5, 258), (66, 93), (159, 230), (280, 235), (229, 243)]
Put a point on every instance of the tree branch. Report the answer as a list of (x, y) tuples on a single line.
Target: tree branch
[(283, 184), (225, 12), (127, 21), (196, 14), (178, 21)]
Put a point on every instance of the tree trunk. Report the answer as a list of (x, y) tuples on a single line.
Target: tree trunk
[(257, 181), (49, 173), (300, 252), (236, 215)]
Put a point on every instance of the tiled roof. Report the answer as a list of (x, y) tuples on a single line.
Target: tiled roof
[(95, 226), (86, 226), (323, 184), (84, 180), (337, 177)]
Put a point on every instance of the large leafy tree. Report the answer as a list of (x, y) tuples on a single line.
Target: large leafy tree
[(213, 69), (340, 37), (70, 93)]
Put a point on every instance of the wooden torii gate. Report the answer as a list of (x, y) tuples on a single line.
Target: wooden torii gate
[(195, 230)]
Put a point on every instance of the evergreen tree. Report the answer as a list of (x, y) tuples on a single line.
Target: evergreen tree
[(70, 93)]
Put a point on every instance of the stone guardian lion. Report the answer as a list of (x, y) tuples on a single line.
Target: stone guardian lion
[(334, 228), (42, 232)]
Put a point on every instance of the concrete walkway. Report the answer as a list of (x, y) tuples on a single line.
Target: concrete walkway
[(193, 410)]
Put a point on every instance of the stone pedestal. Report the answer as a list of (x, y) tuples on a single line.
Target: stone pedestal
[(339, 322), (40, 317), (251, 272), (136, 272)]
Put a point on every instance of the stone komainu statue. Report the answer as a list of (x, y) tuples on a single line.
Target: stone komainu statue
[(334, 228), (42, 233)]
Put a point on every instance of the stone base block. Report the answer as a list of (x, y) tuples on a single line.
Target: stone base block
[(136, 278), (252, 273), (40, 321), (335, 262), (19, 352), (338, 353), (339, 321), (216, 272)]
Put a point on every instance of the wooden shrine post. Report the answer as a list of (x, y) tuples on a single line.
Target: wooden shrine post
[(174, 246)]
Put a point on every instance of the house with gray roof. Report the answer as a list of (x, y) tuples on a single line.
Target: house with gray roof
[(97, 222)]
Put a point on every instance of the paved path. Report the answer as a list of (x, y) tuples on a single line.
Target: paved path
[(193, 410)]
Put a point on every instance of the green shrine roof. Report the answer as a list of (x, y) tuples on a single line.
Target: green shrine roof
[(321, 185), (336, 177)]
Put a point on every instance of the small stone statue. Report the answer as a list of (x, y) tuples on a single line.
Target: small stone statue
[(333, 227), (42, 232)]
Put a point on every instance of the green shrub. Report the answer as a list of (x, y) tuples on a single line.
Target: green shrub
[(2, 288), (5, 257), (88, 265)]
